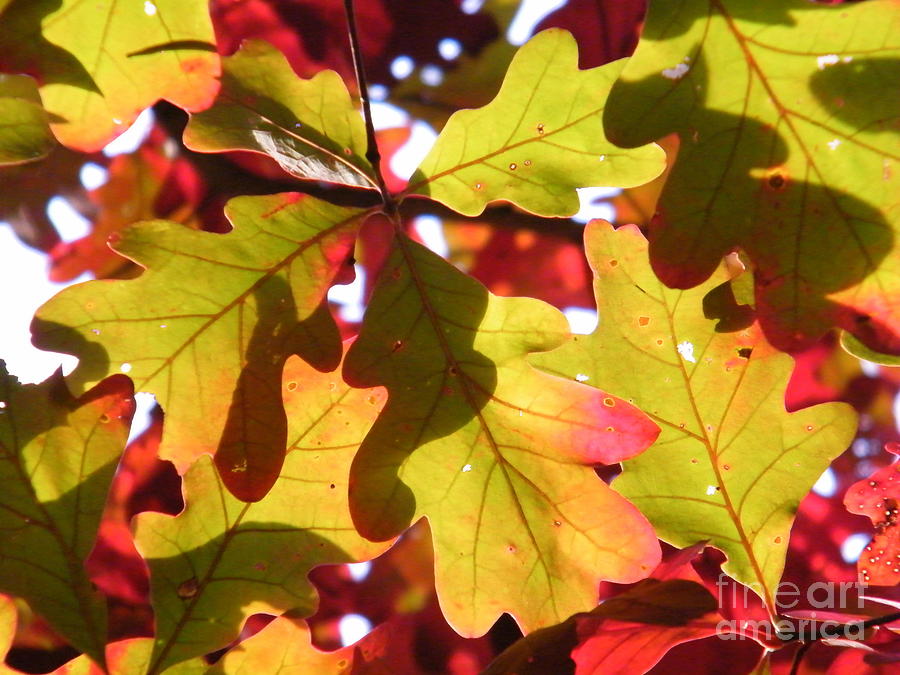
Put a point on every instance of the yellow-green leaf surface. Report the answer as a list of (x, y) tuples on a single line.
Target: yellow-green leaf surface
[(284, 647), (221, 560), (497, 455), (310, 127), (207, 327), (102, 62), (58, 458), (24, 130), (788, 114), (537, 141), (731, 465)]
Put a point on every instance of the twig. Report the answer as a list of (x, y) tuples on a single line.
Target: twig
[(372, 153), (798, 657), (843, 631)]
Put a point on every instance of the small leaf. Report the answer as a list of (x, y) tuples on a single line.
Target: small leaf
[(25, 134), (537, 141), (209, 324), (221, 560), (309, 127), (284, 647), (878, 498), (103, 62), (494, 453), (129, 195), (731, 465), (788, 117), (59, 456)]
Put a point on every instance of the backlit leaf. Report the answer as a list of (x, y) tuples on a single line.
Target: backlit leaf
[(25, 133), (494, 453), (58, 458), (207, 327), (788, 116), (878, 498), (221, 559), (284, 647), (310, 127), (731, 465), (129, 195), (102, 62), (537, 141)]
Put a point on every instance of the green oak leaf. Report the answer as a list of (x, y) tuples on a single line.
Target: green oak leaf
[(853, 346), (221, 559), (208, 325), (788, 115), (25, 132), (310, 127), (496, 455), (731, 464), (57, 459), (102, 62), (537, 141)]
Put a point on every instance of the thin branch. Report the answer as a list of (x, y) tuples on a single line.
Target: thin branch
[(798, 657), (845, 631), (372, 153)]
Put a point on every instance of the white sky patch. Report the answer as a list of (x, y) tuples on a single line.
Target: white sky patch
[(591, 205), (530, 14), (143, 406), (826, 486), (359, 571), (349, 297), (149, 8), (827, 60), (449, 49), (92, 176), (353, 628), (125, 367), (853, 546), (377, 92), (868, 368), (467, 468), (402, 67), (69, 224), (686, 349), (676, 72), (387, 116), (581, 377), (431, 230), (408, 158), (17, 263), (834, 143), (431, 75), (133, 137), (711, 489), (895, 409), (471, 6), (581, 321)]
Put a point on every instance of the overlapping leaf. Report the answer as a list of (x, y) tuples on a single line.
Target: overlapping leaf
[(310, 127), (25, 133), (788, 116), (284, 647), (101, 63), (537, 141), (221, 559), (208, 325), (878, 497), (135, 183), (58, 458), (731, 465), (494, 453)]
